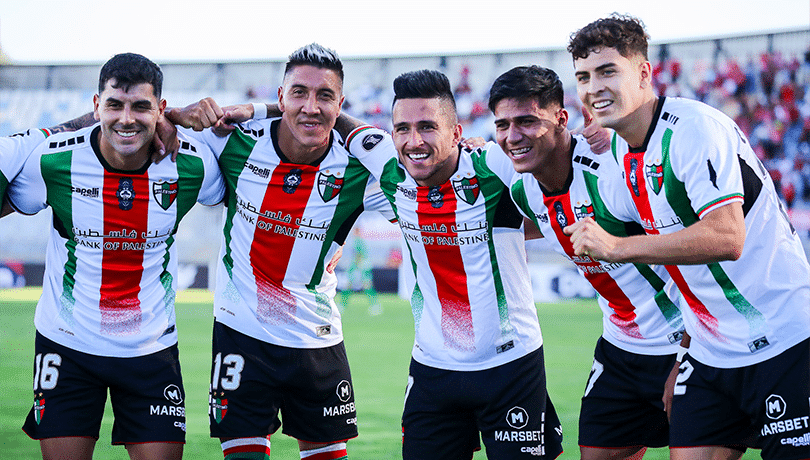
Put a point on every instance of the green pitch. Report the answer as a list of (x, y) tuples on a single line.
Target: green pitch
[(379, 351)]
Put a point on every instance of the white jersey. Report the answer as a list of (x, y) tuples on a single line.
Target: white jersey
[(472, 299), (111, 267), (695, 159), (283, 223), (14, 150), (637, 314)]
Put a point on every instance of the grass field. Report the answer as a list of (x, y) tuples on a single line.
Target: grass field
[(379, 351)]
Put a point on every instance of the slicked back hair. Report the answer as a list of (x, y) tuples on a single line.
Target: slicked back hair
[(624, 33), (317, 56), (525, 83), (424, 84), (129, 69)]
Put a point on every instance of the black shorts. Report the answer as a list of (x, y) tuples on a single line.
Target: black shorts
[(252, 381), (716, 406), (70, 391), (445, 410), (622, 404)]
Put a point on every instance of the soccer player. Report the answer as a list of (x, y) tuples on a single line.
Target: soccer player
[(709, 206), (106, 318), (562, 181), (294, 193), (477, 362)]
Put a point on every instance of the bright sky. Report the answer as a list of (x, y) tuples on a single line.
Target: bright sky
[(59, 31)]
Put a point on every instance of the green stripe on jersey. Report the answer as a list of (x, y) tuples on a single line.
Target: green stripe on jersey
[(602, 215), (522, 201), (231, 163), (494, 190), (679, 202), (190, 173), (350, 198), (56, 172), (3, 185), (675, 189), (616, 227)]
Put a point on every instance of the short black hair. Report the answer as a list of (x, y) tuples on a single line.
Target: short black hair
[(424, 84), (129, 69), (317, 56), (623, 32), (527, 82)]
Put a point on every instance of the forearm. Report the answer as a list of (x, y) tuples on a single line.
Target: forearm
[(719, 236)]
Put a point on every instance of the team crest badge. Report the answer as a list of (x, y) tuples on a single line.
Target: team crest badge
[(562, 219), (467, 189), (436, 197), (125, 193), (586, 210), (655, 176), (39, 408), (329, 186), (165, 193), (291, 181), (219, 407)]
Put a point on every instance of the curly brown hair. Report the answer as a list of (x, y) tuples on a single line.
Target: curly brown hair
[(623, 32)]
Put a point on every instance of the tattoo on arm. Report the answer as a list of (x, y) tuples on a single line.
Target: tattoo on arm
[(77, 123)]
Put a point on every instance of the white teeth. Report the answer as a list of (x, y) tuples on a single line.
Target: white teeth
[(125, 134), (602, 104), (520, 151), (417, 156)]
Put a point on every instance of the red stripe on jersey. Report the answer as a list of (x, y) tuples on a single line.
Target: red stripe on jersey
[(561, 215), (444, 257), (126, 211), (634, 177), (284, 203)]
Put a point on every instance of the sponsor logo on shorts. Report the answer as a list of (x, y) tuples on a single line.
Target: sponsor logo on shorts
[(341, 409), (167, 410), (783, 426), (181, 425), (344, 390), (517, 417), (804, 440), (173, 394), (519, 436), (775, 407), (537, 451), (351, 421)]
